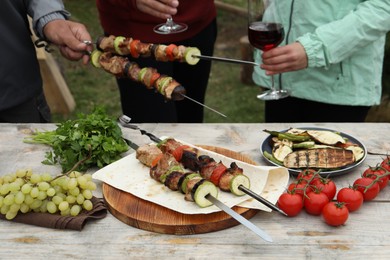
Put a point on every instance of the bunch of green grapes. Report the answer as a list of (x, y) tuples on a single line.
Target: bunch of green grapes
[(25, 191)]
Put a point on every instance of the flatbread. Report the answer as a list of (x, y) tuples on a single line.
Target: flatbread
[(129, 175)]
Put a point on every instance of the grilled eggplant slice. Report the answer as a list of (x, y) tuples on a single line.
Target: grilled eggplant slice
[(322, 158), (325, 137)]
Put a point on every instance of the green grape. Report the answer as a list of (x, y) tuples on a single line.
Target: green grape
[(91, 185), (72, 183), (4, 209), (1, 200), (14, 186), (88, 176), (75, 210), (1, 180), (80, 199), (42, 195), (11, 215), (26, 188), (64, 205), (75, 191), (28, 199), (36, 204), (35, 178), (62, 195), (43, 207), (28, 172), (51, 207), (20, 182), (82, 181), (71, 199), (34, 192), (58, 189), (87, 205), (8, 178), (9, 199), (14, 208), (19, 197), (24, 208), (64, 183), (51, 192), (75, 174), (57, 199), (87, 194), (43, 186), (4, 189), (46, 177), (65, 212), (21, 173)]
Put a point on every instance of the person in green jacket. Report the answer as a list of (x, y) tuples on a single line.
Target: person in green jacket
[(331, 60)]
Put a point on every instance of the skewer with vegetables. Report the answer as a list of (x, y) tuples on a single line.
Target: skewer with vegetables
[(165, 169), (128, 46), (149, 77), (228, 179)]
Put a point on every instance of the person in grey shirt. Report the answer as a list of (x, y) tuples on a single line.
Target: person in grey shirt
[(21, 92)]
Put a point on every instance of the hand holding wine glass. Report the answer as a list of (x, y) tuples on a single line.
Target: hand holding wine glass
[(265, 32)]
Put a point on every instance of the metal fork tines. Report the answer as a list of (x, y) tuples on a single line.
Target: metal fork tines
[(125, 122)]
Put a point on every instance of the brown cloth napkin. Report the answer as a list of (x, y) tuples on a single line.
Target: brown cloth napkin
[(57, 221)]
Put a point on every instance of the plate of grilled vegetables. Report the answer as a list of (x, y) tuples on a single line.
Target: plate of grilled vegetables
[(330, 152)]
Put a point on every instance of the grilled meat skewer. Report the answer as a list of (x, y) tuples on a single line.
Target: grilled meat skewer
[(165, 169), (128, 46)]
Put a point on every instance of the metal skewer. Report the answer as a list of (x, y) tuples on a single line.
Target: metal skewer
[(215, 201), (125, 122), (213, 58), (197, 102)]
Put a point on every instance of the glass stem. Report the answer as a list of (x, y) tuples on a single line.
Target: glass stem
[(272, 83), (170, 22)]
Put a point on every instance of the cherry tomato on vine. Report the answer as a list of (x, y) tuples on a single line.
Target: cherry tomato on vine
[(386, 164), (352, 198), (291, 203), (300, 187), (315, 201), (307, 174), (362, 185), (326, 185), (335, 213), (373, 172)]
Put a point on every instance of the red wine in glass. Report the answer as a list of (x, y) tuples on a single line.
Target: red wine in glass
[(265, 36)]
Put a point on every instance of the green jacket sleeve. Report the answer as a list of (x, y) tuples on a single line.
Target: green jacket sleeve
[(336, 41)]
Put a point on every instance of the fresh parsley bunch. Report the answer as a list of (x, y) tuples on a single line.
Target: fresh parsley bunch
[(91, 140)]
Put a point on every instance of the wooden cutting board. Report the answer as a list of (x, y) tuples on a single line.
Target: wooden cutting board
[(149, 216)]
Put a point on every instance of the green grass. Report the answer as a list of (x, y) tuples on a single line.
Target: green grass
[(226, 93)]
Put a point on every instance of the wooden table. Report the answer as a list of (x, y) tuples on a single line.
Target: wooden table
[(366, 233)]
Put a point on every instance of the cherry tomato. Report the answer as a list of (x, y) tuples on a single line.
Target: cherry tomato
[(362, 185), (352, 198), (314, 202), (308, 175), (386, 164), (335, 213), (178, 152), (300, 187), (326, 185), (217, 173), (373, 172), (291, 203)]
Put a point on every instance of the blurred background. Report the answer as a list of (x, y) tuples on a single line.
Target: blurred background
[(230, 89)]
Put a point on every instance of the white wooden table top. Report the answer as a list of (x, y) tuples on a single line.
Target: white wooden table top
[(366, 233)]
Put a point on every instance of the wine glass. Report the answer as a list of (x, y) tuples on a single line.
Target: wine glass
[(265, 32), (170, 27)]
